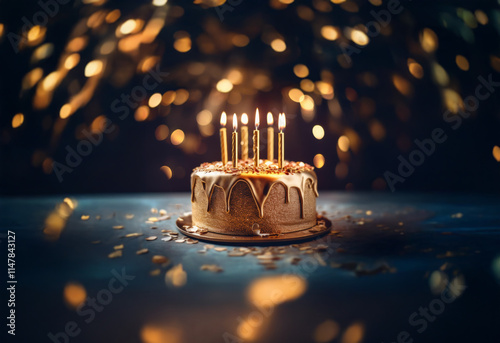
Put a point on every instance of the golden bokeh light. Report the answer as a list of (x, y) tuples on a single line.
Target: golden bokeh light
[(296, 95), (74, 294), (93, 68), (240, 40), (17, 120), (358, 37), (72, 61), (329, 32), (224, 86), (167, 171), (428, 40), (462, 62), (161, 333), (353, 334), (98, 124), (402, 85), (204, 117), (415, 69), (161, 132), (301, 70), (288, 287), (159, 3), (319, 161), (168, 98), (278, 45), (344, 143), (176, 276), (183, 44), (155, 100), (65, 111), (128, 26), (307, 85), (307, 103), (496, 153), (177, 137), (181, 96), (318, 132), (326, 331), (112, 16), (141, 113)]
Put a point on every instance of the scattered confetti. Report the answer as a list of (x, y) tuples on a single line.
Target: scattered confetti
[(142, 251)]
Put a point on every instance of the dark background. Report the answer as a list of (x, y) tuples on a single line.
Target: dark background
[(381, 120)]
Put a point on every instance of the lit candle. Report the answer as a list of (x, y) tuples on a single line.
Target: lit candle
[(223, 138), (235, 141), (270, 137), (256, 141), (244, 137), (281, 140)]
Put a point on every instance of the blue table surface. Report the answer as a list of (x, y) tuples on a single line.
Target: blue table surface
[(397, 268)]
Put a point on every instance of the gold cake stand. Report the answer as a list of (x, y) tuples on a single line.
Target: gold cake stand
[(185, 225)]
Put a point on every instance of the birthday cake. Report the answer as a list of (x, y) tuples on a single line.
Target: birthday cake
[(254, 201)]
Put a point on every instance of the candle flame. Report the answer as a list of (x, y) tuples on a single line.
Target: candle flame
[(270, 119), (235, 122), (223, 119), (281, 121), (257, 119), (244, 119)]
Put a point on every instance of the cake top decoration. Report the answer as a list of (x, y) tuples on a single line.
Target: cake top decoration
[(248, 167)]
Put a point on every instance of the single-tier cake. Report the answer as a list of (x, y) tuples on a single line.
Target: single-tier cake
[(248, 201)]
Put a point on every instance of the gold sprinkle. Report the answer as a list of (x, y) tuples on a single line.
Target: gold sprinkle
[(129, 216), (118, 247), (85, 217), (151, 238), (220, 249), (155, 272), (159, 259), (134, 234), (154, 210), (180, 240), (211, 268), (118, 227), (142, 251), (114, 254)]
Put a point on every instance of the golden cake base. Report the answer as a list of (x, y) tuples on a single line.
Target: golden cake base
[(184, 224)]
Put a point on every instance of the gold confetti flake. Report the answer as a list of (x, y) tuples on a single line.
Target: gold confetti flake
[(155, 272), (159, 259), (142, 251), (95, 242), (191, 241), (85, 217), (154, 210), (166, 239), (457, 215), (118, 247), (115, 254), (118, 227), (180, 240), (235, 253), (129, 216), (220, 249), (163, 212), (212, 268), (152, 220), (134, 234), (151, 238)]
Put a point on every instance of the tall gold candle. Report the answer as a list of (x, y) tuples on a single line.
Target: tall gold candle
[(281, 140), (244, 137), (270, 137), (235, 141), (256, 141), (223, 138)]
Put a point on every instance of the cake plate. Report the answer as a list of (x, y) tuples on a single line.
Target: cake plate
[(185, 225)]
